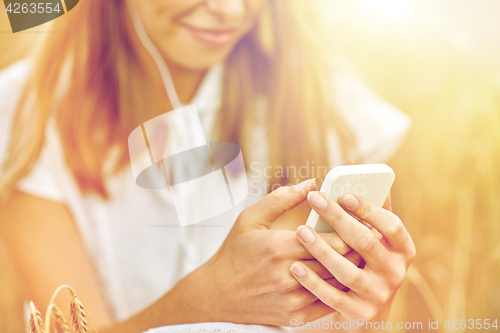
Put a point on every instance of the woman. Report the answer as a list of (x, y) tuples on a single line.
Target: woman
[(74, 215)]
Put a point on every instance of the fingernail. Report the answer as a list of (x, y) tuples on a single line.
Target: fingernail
[(305, 184), (306, 234), (297, 269), (317, 200), (349, 200)]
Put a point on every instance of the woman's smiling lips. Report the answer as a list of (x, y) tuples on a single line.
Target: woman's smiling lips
[(214, 37)]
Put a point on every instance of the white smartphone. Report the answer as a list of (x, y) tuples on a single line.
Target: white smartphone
[(371, 181)]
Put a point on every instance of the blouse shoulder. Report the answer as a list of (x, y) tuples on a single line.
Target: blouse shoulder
[(12, 82), (15, 75), (378, 127), (42, 180)]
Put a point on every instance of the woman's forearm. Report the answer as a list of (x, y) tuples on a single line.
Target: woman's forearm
[(183, 304)]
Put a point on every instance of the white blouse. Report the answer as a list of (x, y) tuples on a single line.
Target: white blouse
[(134, 239)]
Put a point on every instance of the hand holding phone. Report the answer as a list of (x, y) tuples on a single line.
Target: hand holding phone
[(371, 181)]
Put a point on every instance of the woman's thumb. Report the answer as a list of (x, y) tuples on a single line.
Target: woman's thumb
[(267, 210)]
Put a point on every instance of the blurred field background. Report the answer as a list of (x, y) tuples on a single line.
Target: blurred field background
[(438, 61)]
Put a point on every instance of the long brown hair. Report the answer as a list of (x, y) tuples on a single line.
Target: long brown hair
[(94, 59)]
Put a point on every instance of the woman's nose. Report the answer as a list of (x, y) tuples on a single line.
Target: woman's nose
[(227, 10)]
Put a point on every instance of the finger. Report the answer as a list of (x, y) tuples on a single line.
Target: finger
[(325, 274), (289, 247), (293, 249), (317, 268), (341, 268), (300, 297), (353, 257), (268, 209), (336, 284), (388, 203), (314, 311), (355, 234), (387, 223), (329, 295), (333, 239)]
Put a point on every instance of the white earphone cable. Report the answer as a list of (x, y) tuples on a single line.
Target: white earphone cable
[(155, 54), (174, 100)]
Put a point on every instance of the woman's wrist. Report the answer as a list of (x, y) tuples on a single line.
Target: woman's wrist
[(185, 303), (189, 301)]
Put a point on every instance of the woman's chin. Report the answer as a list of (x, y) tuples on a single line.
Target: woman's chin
[(193, 60), (193, 54)]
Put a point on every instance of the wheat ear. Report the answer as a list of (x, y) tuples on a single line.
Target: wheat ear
[(36, 324), (78, 315), (60, 324), (48, 313)]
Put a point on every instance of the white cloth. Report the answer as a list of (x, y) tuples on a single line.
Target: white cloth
[(134, 239), (216, 327)]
